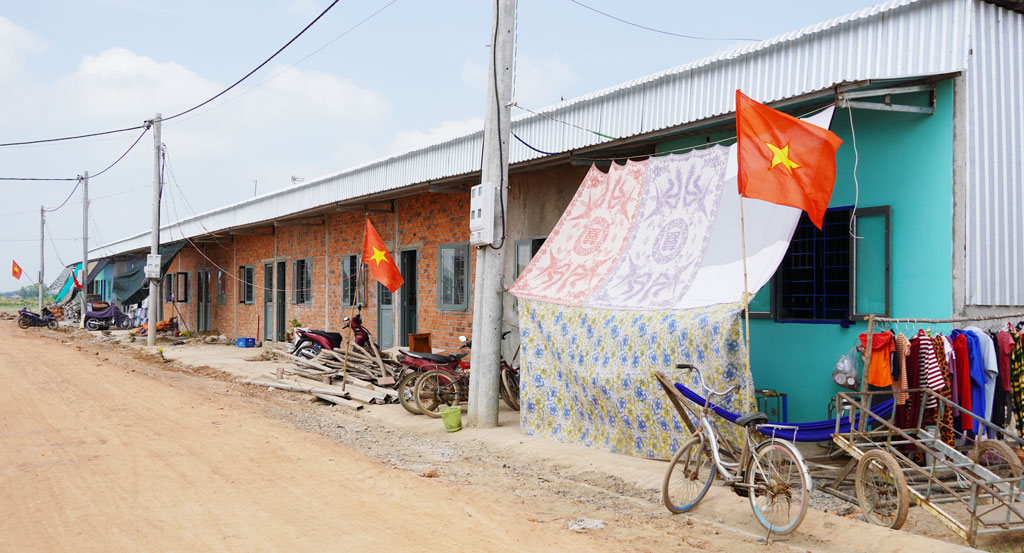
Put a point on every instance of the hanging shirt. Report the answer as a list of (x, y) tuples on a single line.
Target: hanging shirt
[(931, 375), (880, 368), (1004, 345), (963, 377), (1017, 381), (947, 347), (991, 361), (899, 384)]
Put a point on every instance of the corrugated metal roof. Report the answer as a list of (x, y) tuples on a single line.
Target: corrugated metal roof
[(995, 173), (897, 39)]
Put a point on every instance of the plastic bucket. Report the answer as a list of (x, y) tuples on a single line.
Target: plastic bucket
[(452, 417)]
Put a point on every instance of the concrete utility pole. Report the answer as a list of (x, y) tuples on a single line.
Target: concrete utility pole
[(42, 228), (487, 305), (154, 243), (85, 245)]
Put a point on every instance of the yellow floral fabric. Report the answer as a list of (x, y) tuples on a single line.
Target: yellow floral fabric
[(588, 373)]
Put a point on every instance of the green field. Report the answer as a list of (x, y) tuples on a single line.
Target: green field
[(12, 306)]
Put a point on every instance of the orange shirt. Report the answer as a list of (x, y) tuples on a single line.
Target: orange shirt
[(880, 369)]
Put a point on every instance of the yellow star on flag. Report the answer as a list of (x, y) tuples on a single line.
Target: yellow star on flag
[(781, 155), (379, 255)]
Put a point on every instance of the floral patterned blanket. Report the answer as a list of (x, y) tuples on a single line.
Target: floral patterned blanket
[(588, 373)]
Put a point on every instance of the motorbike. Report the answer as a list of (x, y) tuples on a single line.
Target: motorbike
[(106, 318), (308, 342), (27, 318), (455, 376)]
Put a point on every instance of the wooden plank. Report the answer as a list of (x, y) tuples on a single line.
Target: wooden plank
[(293, 387), (354, 405)]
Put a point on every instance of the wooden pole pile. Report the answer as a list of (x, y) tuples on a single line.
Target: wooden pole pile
[(314, 376)]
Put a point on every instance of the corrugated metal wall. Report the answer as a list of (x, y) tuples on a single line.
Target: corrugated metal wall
[(995, 177), (898, 39)]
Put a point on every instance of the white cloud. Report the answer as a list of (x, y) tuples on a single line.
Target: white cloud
[(116, 84), (14, 42), (538, 83), (409, 139)]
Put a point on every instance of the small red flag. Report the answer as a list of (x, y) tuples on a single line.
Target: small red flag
[(784, 160), (382, 265), (15, 270)]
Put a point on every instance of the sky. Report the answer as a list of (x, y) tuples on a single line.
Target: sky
[(348, 91)]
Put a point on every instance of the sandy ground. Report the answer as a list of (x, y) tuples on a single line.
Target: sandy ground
[(105, 448)]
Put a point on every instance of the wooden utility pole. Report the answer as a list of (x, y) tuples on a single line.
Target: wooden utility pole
[(85, 247), (490, 260), (154, 242)]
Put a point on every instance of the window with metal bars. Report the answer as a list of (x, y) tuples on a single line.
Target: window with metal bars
[(813, 281), (302, 273)]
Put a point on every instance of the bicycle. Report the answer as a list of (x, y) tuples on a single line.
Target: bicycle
[(769, 471)]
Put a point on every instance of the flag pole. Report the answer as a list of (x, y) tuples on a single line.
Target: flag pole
[(746, 291), (351, 313)]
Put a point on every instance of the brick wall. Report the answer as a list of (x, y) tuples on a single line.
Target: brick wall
[(421, 222)]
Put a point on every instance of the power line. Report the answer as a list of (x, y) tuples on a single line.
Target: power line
[(55, 252), (257, 68), (130, 148), (695, 37), (294, 65), (75, 137), (573, 125), (72, 193), (193, 108), (37, 179)]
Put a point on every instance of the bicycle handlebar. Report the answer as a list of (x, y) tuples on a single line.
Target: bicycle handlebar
[(703, 384)]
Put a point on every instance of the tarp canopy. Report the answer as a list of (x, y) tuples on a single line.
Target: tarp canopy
[(62, 279), (660, 234), (131, 287), (645, 269), (68, 288)]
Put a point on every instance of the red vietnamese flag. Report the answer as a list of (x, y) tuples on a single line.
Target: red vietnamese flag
[(382, 265), (15, 270), (784, 160)]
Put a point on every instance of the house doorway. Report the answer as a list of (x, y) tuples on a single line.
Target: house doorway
[(407, 296), (274, 310), (202, 301)]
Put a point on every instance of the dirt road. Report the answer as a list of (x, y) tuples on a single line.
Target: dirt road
[(105, 448), (105, 455)]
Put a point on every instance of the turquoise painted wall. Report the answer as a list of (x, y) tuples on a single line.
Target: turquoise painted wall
[(905, 161)]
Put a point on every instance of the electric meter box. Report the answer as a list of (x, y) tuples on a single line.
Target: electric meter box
[(481, 214), (152, 270)]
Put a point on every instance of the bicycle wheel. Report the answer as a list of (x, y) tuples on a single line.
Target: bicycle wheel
[(689, 476), (510, 383), (997, 458), (779, 486), (882, 489), (406, 388), (435, 390)]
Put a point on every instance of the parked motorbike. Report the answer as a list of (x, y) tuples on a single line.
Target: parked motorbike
[(359, 332), (106, 318), (308, 342), (27, 318), (449, 376), (420, 363)]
